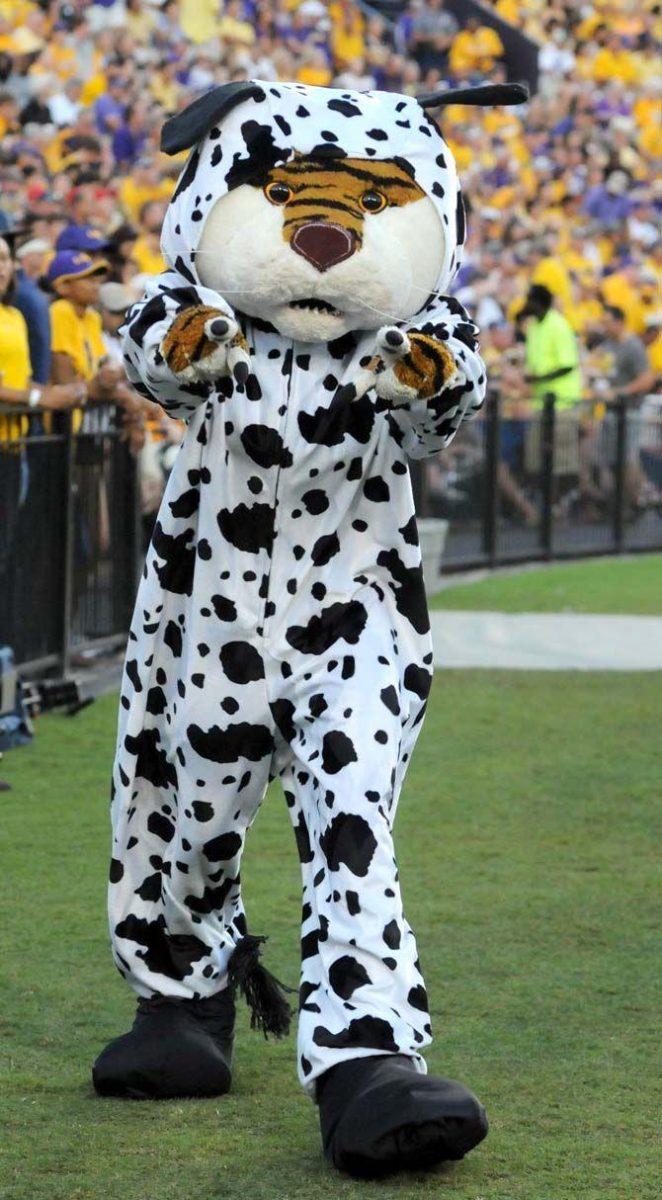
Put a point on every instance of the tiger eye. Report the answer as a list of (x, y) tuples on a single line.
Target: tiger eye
[(278, 193), (373, 201)]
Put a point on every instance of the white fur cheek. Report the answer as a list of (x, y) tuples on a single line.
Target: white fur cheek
[(391, 276), (408, 246), (241, 248)]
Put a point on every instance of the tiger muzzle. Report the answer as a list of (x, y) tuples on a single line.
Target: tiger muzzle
[(323, 244)]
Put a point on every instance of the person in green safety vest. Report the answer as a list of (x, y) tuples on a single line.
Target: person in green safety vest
[(552, 354)]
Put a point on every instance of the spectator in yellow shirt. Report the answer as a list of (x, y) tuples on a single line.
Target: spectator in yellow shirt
[(585, 310), (475, 50), (551, 273), (143, 184), (233, 29), (59, 57), (78, 346), (165, 86), (16, 383), (508, 10), (9, 122), (140, 20), (146, 252), (612, 61), (347, 33), (315, 70), (199, 19), (619, 290), (460, 148), (75, 324), (652, 339), (16, 388)]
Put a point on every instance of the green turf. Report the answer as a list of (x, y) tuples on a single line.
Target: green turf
[(528, 855), (614, 585)]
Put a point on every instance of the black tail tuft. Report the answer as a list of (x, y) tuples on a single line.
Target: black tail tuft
[(264, 994)]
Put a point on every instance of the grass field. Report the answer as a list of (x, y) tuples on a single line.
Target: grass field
[(613, 585), (528, 855)]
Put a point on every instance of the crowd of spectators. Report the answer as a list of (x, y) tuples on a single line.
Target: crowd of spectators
[(562, 193)]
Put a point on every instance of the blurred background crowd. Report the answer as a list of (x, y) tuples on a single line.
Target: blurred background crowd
[(564, 255)]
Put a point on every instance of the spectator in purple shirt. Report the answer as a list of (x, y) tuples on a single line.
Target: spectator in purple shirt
[(609, 203), (129, 139), (109, 108)]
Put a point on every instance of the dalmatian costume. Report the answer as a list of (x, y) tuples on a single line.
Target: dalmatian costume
[(281, 626)]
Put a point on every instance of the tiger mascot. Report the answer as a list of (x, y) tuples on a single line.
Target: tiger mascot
[(304, 333)]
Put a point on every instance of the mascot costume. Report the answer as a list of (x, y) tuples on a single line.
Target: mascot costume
[(304, 333)]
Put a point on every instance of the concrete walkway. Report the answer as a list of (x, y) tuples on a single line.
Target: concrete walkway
[(547, 641), (518, 641)]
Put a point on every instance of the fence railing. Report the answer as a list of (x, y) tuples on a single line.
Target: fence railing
[(549, 485), (554, 484), (69, 544)]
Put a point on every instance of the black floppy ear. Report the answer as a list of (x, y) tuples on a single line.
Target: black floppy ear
[(190, 126), (488, 94)]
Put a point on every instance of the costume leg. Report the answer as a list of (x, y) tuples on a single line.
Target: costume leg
[(174, 898), (364, 1016), (362, 990), (185, 794)]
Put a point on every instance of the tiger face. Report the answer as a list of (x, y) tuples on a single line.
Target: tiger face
[(321, 247)]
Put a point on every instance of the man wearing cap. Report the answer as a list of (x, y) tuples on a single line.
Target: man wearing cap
[(32, 302), (85, 238), (79, 349), (76, 334)]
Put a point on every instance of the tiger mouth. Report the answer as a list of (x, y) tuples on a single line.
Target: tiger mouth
[(311, 303)]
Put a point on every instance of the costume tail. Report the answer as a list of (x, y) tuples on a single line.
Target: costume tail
[(264, 994)]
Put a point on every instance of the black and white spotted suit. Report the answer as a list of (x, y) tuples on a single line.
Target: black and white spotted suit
[(281, 626)]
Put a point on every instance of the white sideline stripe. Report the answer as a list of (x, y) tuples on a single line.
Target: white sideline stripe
[(547, 641)]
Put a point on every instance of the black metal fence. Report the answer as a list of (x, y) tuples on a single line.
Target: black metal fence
[(552, 485), (556, 484), (69, 544)]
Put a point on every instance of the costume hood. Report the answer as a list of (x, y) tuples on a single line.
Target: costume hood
[(262, 124)]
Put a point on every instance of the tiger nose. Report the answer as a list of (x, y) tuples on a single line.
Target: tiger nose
[(323, 244)]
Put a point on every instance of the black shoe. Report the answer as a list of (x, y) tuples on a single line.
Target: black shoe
[(175, 1048), (379, 1115)]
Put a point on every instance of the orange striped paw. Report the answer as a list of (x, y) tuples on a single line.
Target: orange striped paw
[(203, 343), (426, 368)]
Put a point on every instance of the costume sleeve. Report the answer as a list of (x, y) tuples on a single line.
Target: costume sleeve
[(424, 427), (143, 332)]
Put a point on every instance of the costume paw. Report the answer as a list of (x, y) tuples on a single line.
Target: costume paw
[(175, 1049), (204, 344), (414, 366), (378, 1115)]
